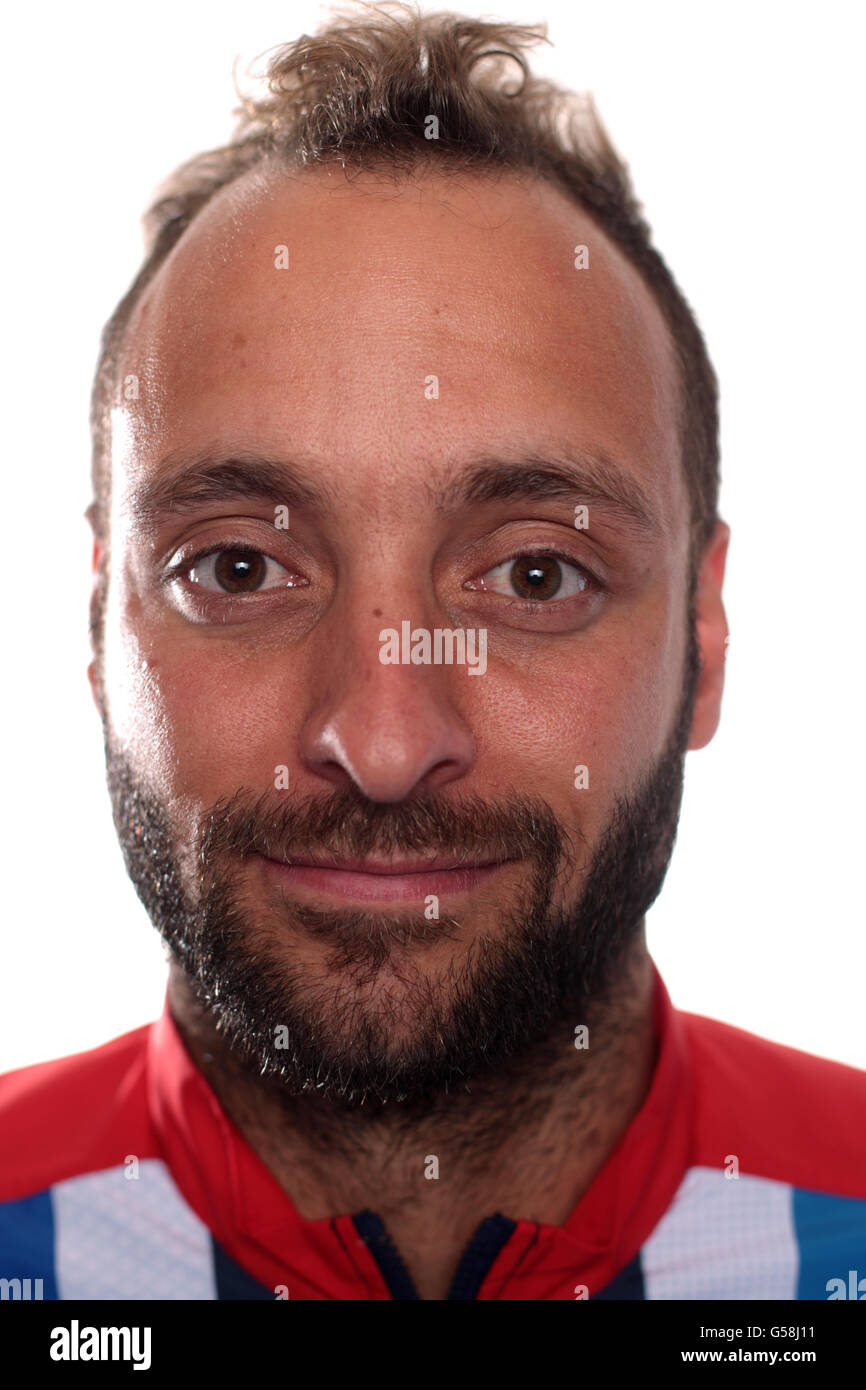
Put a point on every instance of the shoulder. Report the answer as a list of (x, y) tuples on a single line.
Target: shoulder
[(75, 1115), (781, 1112)]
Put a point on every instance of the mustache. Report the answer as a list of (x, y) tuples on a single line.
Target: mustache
[(345, 824)]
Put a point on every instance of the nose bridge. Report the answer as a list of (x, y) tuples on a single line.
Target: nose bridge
[(388, 725)]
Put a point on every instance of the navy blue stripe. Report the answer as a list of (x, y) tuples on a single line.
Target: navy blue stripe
[(831, 1239), (233, 1281), (628, 1284), (477, 1259), (371, 1229), (27, 1246)]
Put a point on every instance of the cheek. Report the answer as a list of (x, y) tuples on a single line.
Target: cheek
[(578, 729), (199, 719)]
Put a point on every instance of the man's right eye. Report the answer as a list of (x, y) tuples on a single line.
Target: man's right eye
[(237, 571)]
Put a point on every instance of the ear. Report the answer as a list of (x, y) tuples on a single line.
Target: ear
[(96, 565), (712, 630)]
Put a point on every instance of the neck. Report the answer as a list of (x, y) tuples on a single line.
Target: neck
[(526, 1141)]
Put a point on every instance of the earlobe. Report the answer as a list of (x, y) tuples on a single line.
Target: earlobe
[(712, 634)]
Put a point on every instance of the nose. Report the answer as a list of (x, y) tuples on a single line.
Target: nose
[(392, 730)]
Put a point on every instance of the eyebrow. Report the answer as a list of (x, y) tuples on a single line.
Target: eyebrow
[(201, 480), (591, 479)]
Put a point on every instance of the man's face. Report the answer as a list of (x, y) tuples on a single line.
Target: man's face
[(395, 364)]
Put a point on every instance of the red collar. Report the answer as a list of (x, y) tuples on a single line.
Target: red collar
[(239, 1199)]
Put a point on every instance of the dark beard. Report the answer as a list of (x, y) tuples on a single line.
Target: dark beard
[(545, 969)]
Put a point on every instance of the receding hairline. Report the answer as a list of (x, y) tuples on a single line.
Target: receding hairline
[(259, 184)]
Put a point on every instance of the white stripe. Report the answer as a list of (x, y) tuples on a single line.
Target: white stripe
[(136, 1238), (724, 1238)]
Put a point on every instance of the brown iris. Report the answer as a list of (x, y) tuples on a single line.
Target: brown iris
[(536, 576), (240, 571)]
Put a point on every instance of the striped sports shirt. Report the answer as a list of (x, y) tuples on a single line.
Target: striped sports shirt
[(743, 1176)]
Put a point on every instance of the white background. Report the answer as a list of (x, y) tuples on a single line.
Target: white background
[(742, 126)]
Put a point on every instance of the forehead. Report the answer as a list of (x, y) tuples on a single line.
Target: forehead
[(308, 312)]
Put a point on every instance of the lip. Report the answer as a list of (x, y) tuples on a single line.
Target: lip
[(382, 881)]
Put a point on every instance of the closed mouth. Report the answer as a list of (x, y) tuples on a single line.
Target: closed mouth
[(380, 880)]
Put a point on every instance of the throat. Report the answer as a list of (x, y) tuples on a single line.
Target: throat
[(435, 1190)]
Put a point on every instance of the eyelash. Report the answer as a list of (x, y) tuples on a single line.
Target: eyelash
[(179, 570)]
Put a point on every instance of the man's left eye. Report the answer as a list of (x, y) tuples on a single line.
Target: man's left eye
[(536, 577), (237, 571)]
